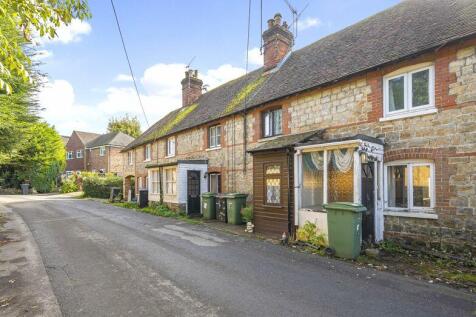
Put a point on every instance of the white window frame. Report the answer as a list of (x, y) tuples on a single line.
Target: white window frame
[(173, 181), (409, 170), (171, 147), (129, 157), (147, 153), (268, 127), (408, 108), (214, 137), (154, 179), (70, 155), (79, 153), (102, 150)]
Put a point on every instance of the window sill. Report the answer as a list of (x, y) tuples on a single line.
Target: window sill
[(169, 156), (147, 160), (408, 114), (213, 148), (411, 214)]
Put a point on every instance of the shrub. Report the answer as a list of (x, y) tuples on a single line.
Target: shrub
[(308, 233), (247, 214), (45, 179), (99, 186), (69, 185)]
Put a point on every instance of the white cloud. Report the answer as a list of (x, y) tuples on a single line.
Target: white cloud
[(68, 33), (162, 93), (308, 23), (123, 77), (255, 57), (221, 75), (61, 109)]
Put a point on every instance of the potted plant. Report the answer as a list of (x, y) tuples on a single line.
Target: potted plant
[(247, 215)]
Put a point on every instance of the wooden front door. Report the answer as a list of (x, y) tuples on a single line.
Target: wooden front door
[(368, 200), (193, 192)]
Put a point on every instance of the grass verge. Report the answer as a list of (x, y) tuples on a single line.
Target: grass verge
[(158, 210)]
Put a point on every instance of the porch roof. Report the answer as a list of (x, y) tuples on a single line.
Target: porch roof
[(177, 162), (362, 137), (286, 141)]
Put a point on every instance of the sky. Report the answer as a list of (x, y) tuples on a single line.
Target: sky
[(87, 78)]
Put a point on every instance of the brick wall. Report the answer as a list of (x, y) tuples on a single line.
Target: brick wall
[(95, 162), (447, 138), (74, 144)]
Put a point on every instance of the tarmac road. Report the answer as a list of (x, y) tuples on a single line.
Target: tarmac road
[(108, 261)]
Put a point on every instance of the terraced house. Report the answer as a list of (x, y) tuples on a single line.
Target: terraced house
[(382, 113)]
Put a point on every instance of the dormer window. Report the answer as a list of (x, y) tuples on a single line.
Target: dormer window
[(272, 122)]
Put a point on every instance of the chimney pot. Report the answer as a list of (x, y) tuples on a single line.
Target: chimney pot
[(277, 42), (270, 23), (191, 87)]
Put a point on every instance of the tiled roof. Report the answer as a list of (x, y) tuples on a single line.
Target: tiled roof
[(65, 139), (114, 138), (86, 137), (402, 31)]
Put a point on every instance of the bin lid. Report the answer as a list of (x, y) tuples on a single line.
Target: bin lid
[(346, 206), (208, 194), (236, 195)]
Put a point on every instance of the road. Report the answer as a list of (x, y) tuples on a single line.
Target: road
[(108, 261)]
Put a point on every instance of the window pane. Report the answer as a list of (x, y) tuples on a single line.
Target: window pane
[(421, 186), (277, 126), (273, 190), (218, 136), (313, 180), (397, 186), (272, 169), (267, 124), (396, 94), (420, 88), (340, 175)]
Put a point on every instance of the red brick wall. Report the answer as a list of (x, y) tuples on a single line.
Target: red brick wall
[(74, 144)]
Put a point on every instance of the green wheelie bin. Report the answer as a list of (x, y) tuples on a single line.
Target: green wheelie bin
[(344, 225), (235, 202), (208, 206)]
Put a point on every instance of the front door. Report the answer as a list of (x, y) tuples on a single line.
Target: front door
[(193, 192), (368, 200)]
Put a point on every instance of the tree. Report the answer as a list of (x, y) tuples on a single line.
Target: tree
[(126, 124), (41, 16)]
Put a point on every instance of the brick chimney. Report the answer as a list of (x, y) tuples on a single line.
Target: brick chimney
[(191, 87), (277, 40)]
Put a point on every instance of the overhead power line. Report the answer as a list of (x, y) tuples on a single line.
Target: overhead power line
[(129, 63)]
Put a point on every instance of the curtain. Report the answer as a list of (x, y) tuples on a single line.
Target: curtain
[(343, 159)]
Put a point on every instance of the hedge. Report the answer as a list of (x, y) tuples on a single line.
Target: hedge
[(99, 186)]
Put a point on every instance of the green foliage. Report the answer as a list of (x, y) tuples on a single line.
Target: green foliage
[(27, 17), (45, 179), (126, 124), (181, 114), (99, 186), (247, 214), (243, 94), (308, 233), (69, 185)]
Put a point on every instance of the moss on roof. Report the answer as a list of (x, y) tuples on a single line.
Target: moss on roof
[(178, 117), (243, 94)]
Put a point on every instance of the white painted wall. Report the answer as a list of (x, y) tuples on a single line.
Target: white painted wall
[(315, 217), (182, 180)]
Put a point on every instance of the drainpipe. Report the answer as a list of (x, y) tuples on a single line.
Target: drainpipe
[(290, 167), (161, 192)]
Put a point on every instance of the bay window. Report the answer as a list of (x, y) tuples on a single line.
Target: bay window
[(272, 122), (409, 92), (409, 185)]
